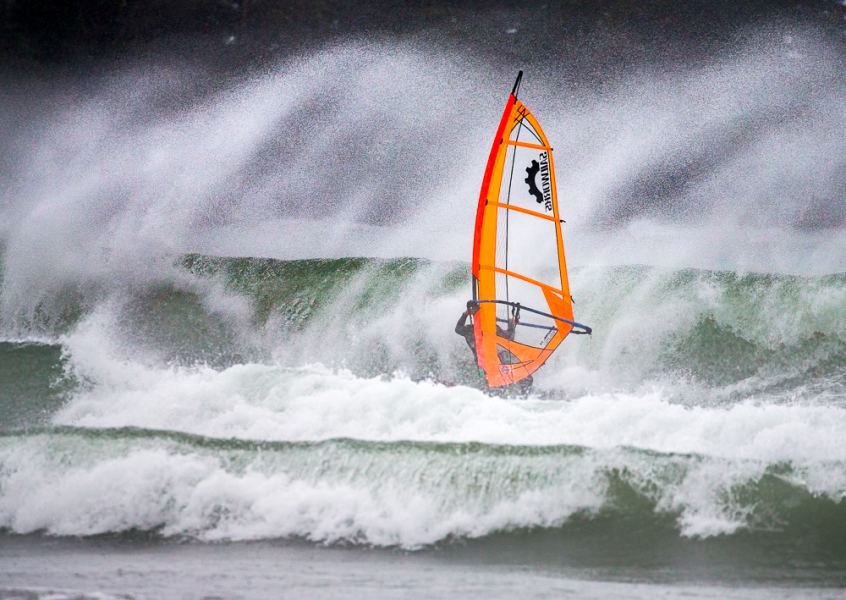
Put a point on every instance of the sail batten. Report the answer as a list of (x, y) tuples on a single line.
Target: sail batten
[(524, 210), (518, 253), (527, 145)]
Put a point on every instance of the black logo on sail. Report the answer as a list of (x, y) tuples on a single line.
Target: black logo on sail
[(543, 194)]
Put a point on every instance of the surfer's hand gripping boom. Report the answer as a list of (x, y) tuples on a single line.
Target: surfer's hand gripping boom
[(578, 328)]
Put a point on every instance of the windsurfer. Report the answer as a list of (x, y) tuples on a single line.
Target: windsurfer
[(507, 358), (466, 331)]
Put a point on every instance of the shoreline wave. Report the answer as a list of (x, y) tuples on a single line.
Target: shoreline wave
[(405, 494)]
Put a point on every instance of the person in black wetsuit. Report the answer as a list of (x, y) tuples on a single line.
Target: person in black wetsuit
[(466, 331)]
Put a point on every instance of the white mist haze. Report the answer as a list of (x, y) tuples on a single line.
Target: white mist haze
[(378, 149)]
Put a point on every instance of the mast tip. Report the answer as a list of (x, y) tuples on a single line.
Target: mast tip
[(516, 87)]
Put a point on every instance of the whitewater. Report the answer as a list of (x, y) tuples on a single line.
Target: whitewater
[(227, 314)]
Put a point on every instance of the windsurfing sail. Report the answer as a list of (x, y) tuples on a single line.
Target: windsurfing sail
[(518, 253)]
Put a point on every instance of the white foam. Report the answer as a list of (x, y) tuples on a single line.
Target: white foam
[(257, 401)]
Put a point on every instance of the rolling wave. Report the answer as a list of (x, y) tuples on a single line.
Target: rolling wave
[(744, 334), (398, 493)]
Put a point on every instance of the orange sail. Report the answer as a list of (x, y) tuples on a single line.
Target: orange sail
[(518, 253)]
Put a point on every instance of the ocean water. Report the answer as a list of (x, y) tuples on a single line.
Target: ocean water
[(181, 419)]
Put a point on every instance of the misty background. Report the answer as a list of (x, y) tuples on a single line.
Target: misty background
[(135, 130)]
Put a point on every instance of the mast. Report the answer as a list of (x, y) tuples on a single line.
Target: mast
[(516, 87)]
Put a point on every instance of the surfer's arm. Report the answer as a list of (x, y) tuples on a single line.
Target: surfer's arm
[(512, 322), (462, 323)]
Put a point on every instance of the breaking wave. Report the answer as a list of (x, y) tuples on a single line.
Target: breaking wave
[(216, 407), (72, 481)]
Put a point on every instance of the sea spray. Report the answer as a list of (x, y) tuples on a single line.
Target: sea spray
[(107, 190)]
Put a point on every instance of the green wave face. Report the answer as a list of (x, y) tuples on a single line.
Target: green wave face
[(32, 380), (754, 333), (739, 334)]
